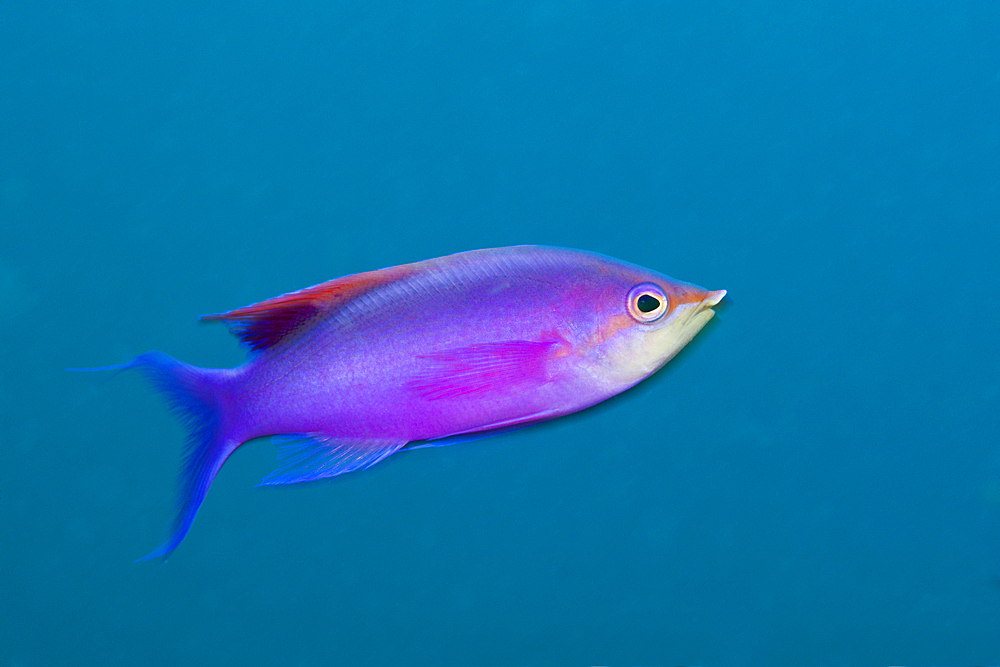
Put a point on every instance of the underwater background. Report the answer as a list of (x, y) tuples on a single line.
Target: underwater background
[(815, 480)]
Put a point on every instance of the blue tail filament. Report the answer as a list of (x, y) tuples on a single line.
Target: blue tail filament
[(192, 394)]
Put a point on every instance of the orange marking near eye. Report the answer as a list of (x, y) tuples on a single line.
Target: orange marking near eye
[(563, 348)]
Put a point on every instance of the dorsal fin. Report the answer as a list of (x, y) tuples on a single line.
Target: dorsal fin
[(263, 325)]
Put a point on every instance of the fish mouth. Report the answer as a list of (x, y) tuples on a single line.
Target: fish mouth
[(713, 299), (699, 313)]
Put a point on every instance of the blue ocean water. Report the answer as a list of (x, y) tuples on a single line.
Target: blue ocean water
[(821, 484)]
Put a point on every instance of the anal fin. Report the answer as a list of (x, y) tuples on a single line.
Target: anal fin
[(304, 457)]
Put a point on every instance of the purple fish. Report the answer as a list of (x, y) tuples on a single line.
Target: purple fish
[(347, 372)]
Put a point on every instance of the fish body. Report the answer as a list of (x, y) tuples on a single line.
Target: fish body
[(350, 371)]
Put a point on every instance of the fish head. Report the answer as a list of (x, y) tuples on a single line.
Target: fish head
[(643, 319)]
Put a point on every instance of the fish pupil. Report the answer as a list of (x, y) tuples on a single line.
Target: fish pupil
[(647, 303)]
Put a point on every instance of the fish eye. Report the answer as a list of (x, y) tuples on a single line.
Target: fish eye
[(647, 303)]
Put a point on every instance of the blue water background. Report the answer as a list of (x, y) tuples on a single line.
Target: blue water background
[(815, 480)]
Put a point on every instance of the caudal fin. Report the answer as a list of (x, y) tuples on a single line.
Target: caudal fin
[(193, 396)]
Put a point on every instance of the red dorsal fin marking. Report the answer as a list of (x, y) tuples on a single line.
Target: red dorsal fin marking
[(263, 325)]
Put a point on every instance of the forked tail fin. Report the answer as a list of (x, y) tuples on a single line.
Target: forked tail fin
[(193, 395)]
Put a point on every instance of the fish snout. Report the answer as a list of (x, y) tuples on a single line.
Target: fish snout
[(713, 299)]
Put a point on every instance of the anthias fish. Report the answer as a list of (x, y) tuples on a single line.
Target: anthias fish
[(349, 371)]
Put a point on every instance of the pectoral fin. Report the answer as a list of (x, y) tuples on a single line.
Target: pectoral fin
[(481, 368)]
